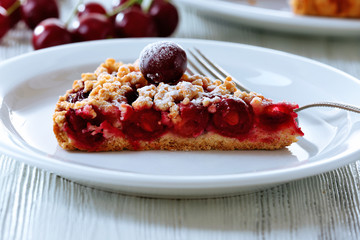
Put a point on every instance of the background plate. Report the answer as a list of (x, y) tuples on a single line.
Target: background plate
[(28, 99), (274, 15)]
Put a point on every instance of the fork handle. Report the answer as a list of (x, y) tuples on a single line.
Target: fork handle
[(330, 104)]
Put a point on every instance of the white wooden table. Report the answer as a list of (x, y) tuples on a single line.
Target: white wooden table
[(35, 204)]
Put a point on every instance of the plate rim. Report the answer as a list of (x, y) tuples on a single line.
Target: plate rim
[(168, 181), (276, 20)]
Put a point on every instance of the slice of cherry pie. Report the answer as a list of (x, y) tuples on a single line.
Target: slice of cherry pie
[(145, 106)]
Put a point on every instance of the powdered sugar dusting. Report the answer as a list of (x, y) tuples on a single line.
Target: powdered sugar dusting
[(159, 50), (163, 61), (106, 89)]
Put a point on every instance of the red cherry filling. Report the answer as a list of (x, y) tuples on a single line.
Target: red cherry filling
[(277, 115), (144, 124), (75, 124), (194, 120), (233, 118), (89, 126), (89, 132)]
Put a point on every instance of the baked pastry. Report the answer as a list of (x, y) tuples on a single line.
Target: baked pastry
[(117, 108), (327, 8)]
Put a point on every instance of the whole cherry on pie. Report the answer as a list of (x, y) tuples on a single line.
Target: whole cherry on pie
[(163, 62)]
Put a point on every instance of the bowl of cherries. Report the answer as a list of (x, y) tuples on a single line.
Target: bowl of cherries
[(90, 20)]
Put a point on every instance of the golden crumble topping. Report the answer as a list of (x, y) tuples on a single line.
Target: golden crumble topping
[(112, 81)]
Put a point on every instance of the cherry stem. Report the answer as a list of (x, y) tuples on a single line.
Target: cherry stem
[(122, 7), (73, 13), (13, 8), (146, 5)]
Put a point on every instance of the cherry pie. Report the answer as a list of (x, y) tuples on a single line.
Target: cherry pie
[(119, 108)]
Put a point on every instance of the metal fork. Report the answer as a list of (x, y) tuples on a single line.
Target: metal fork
[(219, 73)]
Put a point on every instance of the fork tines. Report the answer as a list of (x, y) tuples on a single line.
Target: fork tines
[(202, 64)]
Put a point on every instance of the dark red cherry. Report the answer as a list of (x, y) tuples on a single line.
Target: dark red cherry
[(34, 11), (163, 62), (4, 22), (166, 17), (120, 5), (90, 7), (133, 22), (13, 10), (93, 26), (50, 32), (194, 119), (77, 96), (233, 117)]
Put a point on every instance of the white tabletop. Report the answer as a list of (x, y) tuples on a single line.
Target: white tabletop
[(35, 204)]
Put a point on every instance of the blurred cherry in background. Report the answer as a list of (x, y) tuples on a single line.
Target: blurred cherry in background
[(90, 20)]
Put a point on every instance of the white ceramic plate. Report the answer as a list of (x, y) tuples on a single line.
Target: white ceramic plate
[(274, 15), (30, 86)]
